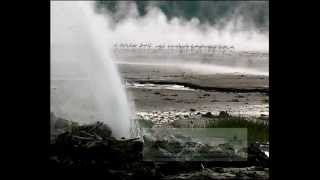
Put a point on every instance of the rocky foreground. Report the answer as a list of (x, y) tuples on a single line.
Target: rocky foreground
[(90, 151)]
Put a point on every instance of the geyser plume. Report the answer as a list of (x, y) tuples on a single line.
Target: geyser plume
[(85, 85)]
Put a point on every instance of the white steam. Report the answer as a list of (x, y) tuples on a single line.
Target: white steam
[(155, 27), (86, 86)]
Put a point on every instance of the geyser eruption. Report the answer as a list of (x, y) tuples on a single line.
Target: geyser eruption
[(85, 85)]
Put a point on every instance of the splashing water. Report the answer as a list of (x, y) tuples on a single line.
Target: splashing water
[(85, 84)]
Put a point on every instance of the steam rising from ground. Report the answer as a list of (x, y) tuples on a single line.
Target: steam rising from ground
[(155, 27)]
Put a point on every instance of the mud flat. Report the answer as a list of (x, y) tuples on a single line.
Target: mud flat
[(171, 88)]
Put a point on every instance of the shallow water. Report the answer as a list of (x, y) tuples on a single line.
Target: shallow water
[(158, 86)]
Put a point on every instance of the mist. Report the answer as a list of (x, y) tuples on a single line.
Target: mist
[(243, 26), (234, 28)]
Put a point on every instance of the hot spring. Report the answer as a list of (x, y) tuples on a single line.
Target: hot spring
[(85, 84)]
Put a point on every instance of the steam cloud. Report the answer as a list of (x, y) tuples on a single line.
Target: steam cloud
[(235, 28)]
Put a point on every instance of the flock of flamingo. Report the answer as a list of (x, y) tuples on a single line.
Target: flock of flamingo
[(181, 48)]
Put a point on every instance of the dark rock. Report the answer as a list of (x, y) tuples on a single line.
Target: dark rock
[(168, 99), (256, 156), (224, 114), (219, 169), (192, 110), (226, 147), (208, 115), (90, 151), (143, 169), (98, 129)]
